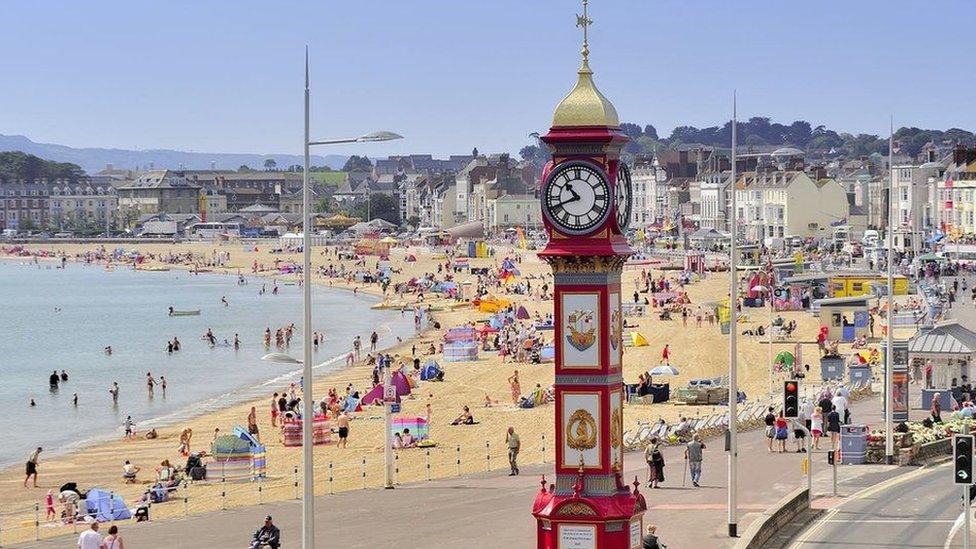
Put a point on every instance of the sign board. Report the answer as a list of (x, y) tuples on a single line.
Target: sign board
[(635, 533), (390, 393), (395, 408), (576, 536)]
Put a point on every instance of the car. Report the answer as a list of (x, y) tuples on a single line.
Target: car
[(63, 235)]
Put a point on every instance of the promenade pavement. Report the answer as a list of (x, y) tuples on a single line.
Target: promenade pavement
[(493, 510)]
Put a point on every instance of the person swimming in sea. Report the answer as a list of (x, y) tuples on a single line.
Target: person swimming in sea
[(32, 403), (237, 342), (108, 350), (171, 311), (54, 379), (74, 399), (223, 299), (64, 375)]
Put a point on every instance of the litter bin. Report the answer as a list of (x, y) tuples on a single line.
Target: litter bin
[(859, 374), (831, 368), (853, 444)]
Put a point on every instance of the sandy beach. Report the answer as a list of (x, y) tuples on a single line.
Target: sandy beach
[(695, 351)]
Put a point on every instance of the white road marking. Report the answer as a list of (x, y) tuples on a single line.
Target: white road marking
[(952, 531)]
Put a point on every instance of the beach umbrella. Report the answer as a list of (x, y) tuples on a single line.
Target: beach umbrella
[(786, 358), (664, 370)]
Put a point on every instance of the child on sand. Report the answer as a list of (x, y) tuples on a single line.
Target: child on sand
[(49, 504)]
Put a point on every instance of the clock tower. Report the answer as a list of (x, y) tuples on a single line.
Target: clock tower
[(586, 205)]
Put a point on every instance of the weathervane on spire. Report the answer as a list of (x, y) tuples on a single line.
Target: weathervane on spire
[(585, 22)]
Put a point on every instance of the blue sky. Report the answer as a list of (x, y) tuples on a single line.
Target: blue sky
[(449, 75)]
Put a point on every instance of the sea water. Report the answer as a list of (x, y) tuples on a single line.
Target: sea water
[(54, 319)]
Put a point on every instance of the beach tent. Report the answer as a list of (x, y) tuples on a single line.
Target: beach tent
[(522, 313), (637, 339), (321, 431), (431, 370), (106, 506), (461, 351), (352, 405), (411, 258), (233, 459), (417, 425), (258, 451), (785, 357), (493, 304), (398, 380)]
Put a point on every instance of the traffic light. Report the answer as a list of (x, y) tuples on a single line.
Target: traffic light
[(962, 453), (791, 398)]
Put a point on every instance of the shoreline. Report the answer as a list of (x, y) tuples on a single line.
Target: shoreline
[(249, 394)]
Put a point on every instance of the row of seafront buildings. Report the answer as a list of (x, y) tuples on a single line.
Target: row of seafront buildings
[(779, 193), (492, 191)]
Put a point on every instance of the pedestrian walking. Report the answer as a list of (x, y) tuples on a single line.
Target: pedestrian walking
[(514, 445), (694, 453), (655, 463), (770, 421), (782, 432), (666, 354), (91, 539), (33, 460), (113, 540)]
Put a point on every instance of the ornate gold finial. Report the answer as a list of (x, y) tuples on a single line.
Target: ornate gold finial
[(585, 105), (585, 22)]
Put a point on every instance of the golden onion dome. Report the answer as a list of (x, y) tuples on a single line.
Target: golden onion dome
[(585, 105)]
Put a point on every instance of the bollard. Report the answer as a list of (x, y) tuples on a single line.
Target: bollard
[(330, 479), (186, 499), (296, 483), (37, 522), (543, 447), (427, 460), (488, 454), (223, 493), (458, 460), (364, 472)]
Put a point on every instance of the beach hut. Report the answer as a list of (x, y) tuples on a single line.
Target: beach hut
[(105, 506), (846, 318)]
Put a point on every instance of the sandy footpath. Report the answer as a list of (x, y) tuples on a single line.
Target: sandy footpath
[(696, 352)]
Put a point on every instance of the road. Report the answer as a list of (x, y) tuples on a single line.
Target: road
[(919, 509)]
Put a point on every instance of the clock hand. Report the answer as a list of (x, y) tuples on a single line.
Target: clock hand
[(564, 202), (569, 187)]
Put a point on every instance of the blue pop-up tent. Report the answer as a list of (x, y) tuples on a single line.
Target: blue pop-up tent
[(106, 506)]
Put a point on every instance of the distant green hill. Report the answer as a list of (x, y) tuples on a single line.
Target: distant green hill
[(16, 166)]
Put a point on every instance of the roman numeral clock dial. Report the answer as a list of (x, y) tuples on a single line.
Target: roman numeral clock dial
[(577, 197), (624, 196)]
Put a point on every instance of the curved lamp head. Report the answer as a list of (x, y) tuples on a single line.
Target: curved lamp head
[(375, 137), (281, 358)]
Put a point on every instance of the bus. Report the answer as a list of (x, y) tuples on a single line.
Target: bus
[(214, 230)]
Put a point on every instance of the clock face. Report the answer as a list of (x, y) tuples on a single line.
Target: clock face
[(623, 196), (577, 197)]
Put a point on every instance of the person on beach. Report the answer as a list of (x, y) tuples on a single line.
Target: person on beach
[(252, 424), (343, 423), (129, 472), (666, 354), (373, 340), (185, 436), (33, 460), (274, 410), (114, 391), (129, 427), (52, 513), (113, 540), (513, 381), (514, 444)]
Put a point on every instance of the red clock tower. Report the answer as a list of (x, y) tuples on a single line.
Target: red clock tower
[(586, 207)]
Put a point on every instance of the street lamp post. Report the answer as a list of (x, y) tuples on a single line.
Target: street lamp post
[(308, 477)]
